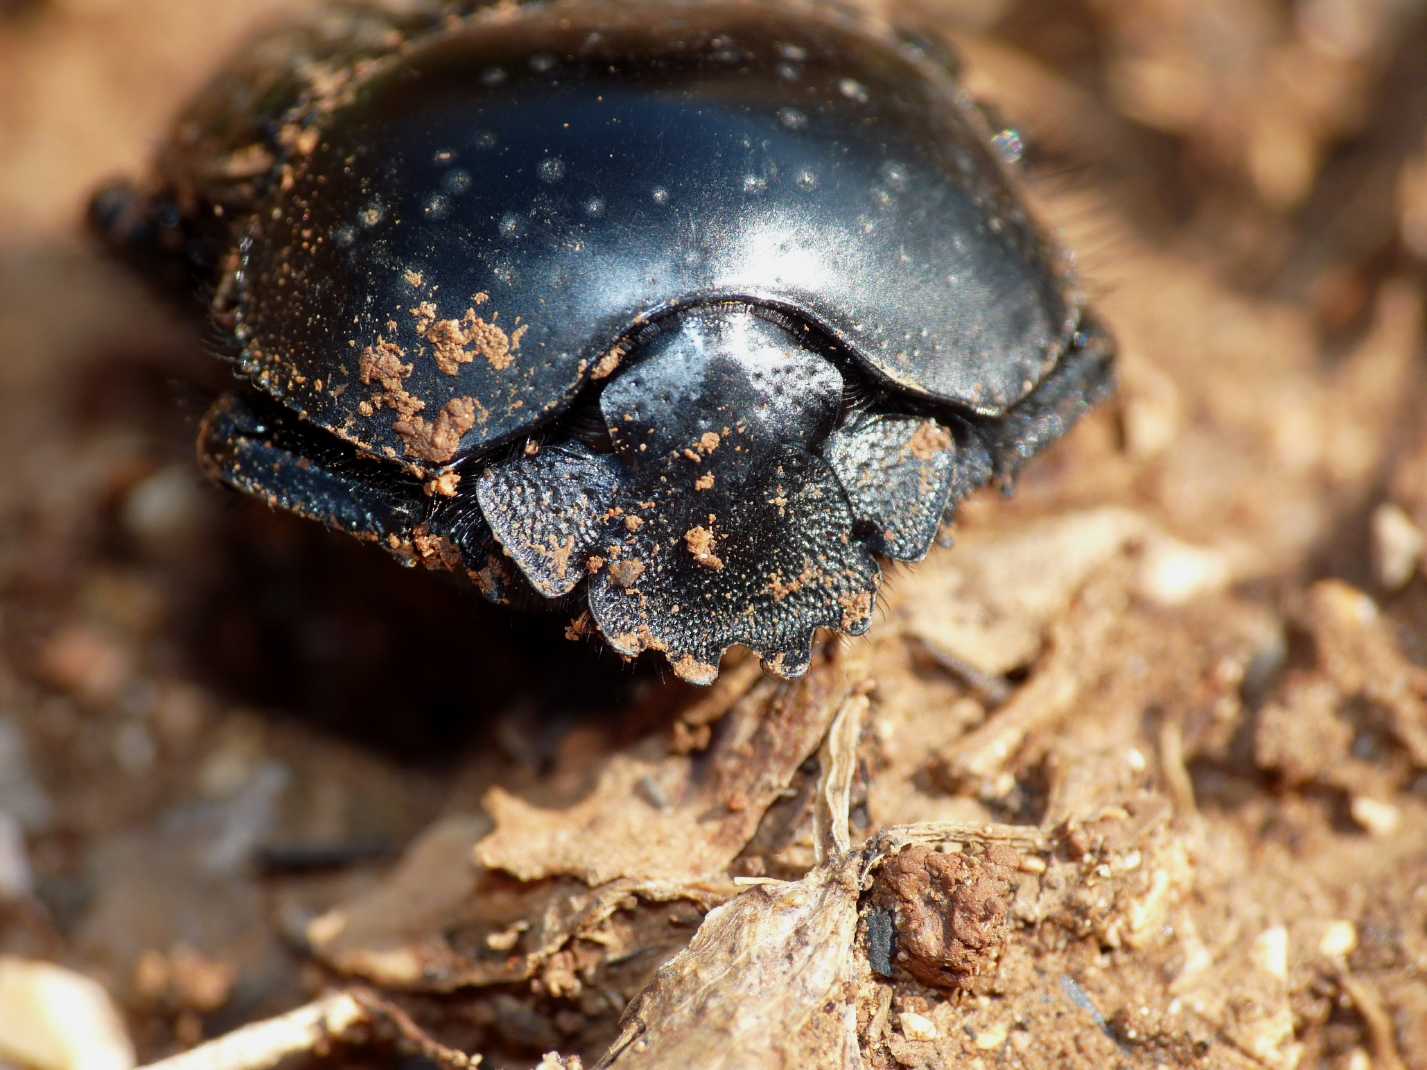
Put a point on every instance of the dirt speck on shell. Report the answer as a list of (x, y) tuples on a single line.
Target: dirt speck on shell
[(438, 440), (456, 342), (929, 439), (384, 364), (608, 364), (627, 572), (445, 485), (700, 541)]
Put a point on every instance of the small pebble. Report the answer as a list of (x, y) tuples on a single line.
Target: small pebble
[(86, 662), (992, 1038), (1338, 939), (165, 511), (1270, 951), (1397, 545), (1377, 818), (916, 1026), (16, 880), (22, 797), (1173, 572)]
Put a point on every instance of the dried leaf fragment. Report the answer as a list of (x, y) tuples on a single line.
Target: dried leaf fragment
[(713, 802), (757, 970)]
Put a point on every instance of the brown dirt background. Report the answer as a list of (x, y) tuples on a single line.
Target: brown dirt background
[(1189, 658)]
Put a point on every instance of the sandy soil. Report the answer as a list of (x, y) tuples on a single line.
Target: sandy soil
[(1135, 775)]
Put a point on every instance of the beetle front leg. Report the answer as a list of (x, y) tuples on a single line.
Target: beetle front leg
[(259, 449), (1084, 376)]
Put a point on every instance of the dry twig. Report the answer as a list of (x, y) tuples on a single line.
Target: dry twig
[(310, 1028)]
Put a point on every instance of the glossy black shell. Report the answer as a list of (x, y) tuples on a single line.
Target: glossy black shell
[(470, 233)]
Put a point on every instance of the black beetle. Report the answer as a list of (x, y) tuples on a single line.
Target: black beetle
[(689, 311)]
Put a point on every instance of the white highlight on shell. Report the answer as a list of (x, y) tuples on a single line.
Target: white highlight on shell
[(895, 174), (852, 89), (372, 214), (792, 118)]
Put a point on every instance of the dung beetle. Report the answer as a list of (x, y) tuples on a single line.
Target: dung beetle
[(675, 316)]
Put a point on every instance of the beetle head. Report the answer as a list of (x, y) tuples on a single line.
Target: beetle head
[(717, 515)]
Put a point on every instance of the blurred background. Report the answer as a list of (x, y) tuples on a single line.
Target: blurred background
[(202, 740)]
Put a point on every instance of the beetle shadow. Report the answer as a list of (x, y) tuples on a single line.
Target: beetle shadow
[(305, 621)]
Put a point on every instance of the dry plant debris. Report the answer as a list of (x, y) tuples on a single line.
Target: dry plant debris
[(314, 1027), (52, 1018), (646, 798), (1135, 774)]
